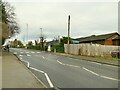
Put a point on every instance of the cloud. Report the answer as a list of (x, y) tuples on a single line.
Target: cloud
[(87, 18)]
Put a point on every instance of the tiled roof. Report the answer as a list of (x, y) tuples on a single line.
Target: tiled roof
[(96, 37), (117, 38)]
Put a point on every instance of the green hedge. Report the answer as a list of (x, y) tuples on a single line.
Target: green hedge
[(59, 48), (37, 48)]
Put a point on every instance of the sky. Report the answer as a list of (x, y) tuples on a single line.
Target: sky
[(91, 17)]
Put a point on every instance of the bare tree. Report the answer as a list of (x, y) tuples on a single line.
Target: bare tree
[(8, 18)]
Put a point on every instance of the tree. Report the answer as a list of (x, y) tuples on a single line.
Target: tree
[(8, 19), (36, 43), (17, 43), (64, 40), (30, 43)]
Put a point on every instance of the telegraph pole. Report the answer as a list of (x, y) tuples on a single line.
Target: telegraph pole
[(27, 36), (68, 34), (41, 38)]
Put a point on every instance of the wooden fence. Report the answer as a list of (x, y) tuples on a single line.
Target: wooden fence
[(89, 49)]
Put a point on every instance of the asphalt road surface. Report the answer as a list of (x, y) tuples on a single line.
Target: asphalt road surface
[(64, 72)]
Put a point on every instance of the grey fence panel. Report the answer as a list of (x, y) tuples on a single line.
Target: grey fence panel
[(90, 49)]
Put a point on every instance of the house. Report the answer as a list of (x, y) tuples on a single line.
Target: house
[(104, 39), (52, 43), (116, 41)]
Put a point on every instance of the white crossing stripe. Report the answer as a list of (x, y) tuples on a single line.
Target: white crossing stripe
[(20, 55), (28, 55)]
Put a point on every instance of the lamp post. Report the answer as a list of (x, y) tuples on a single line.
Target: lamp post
[(41, 38), (27, 37), (68, 44)]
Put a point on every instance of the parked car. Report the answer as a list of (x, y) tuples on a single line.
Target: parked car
[(115, 54)]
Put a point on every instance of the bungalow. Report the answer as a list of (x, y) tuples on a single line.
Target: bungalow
[(104, 39)]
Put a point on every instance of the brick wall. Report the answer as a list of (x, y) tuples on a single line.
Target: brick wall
[(109, 40)]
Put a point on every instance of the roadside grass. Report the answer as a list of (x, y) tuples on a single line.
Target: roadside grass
[(108, 57)]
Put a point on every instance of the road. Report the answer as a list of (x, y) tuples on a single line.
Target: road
[(64, 72)]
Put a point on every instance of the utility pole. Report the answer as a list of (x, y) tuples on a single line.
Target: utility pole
[(41, 38), (27, 37), (68, 34), (59, 39)]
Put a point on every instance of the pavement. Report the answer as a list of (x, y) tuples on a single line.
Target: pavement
[(92, 59), (0, 71), (16, 75)]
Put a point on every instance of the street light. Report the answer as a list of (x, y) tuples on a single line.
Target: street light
[(27, 37), (68, 45)]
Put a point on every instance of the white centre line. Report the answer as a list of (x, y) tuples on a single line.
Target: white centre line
[(88, 71), (60, 62)]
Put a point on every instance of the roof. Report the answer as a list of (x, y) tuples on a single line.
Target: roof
[(117, 38), (96, 37)]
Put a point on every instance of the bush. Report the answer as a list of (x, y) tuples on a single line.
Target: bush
[(59, 48), (37, 48)]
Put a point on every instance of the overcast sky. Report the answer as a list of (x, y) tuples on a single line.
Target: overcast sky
[(87, 18)]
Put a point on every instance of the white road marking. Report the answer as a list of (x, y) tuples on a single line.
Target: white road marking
[(72, 66), (109, 78), (21, 52), (15, 52), (36, 70), (60, 62), (67, 64), (38, 52), (43, 57), (46, 75), (90, 71), (70, 58), (20, 55), (32, 52), (27, 52), (28, 55), (49, 81), (20, 58), (39, 80), (28, 64)]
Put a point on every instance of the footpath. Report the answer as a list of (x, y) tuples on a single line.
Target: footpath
[(16, 75)]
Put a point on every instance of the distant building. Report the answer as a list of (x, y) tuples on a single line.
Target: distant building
[(52, 43), (104, 39), (116, 41)]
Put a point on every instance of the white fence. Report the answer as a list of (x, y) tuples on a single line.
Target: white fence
[(89, 49)]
